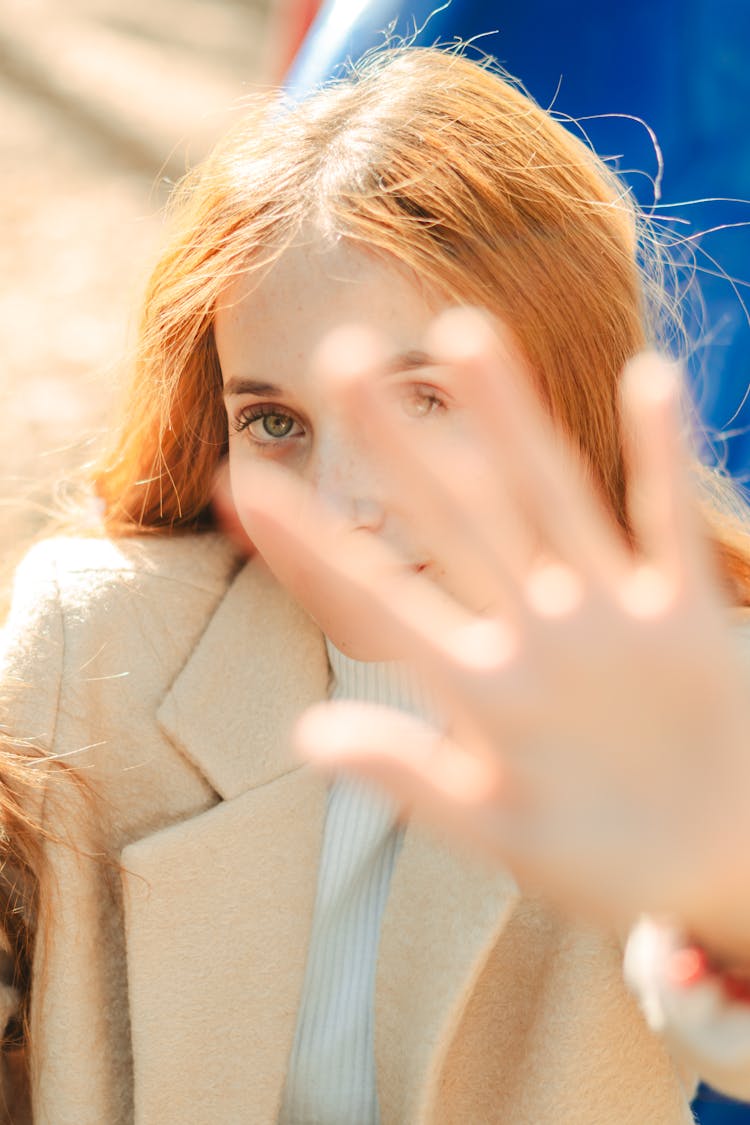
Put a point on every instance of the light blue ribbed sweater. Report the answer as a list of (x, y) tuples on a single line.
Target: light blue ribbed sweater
[(331, 1077)]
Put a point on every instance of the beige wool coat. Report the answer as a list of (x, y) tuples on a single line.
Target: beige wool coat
[(168, 673)]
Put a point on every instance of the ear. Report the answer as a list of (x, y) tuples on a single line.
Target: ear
[(225, 512)]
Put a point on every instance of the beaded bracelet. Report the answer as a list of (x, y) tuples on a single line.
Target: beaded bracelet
[(689, 965), (681, 989)]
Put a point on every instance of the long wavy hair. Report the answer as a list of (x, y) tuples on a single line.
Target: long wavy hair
[(444, 165)]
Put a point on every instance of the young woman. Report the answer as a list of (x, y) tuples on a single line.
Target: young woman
[(200, 927)]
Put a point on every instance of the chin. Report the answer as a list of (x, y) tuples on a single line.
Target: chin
[(355, 630)]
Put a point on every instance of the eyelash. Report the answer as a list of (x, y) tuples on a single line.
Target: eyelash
[(265, 410), (424, 393), (418, 393)]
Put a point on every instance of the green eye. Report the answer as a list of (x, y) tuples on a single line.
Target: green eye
[(268, 425), (277, 425)]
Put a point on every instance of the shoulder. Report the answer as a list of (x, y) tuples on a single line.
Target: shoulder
[(85, 567), (65, 583), (64, 579), (81, 577), (85, 608)]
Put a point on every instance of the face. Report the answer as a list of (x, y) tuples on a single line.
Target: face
[(266, 335)]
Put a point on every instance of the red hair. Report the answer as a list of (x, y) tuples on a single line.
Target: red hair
[(443, 165)]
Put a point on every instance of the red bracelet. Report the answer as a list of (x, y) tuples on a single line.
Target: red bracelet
[(690, 965)]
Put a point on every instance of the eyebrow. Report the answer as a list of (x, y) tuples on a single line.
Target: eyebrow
[(244, 385), (408, 361)]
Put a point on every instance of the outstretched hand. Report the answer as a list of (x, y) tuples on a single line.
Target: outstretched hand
[(593, 711)]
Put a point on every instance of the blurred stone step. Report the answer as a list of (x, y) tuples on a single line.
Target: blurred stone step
[(159, 103), (221, 33)]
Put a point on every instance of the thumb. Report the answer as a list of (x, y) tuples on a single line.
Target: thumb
[(417, 764)]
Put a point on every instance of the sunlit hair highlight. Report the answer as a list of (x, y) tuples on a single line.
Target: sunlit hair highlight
[(442, 165)]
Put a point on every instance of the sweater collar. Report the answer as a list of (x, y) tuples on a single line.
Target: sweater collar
[(388, 684)]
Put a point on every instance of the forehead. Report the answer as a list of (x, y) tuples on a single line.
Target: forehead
[(278, 321)]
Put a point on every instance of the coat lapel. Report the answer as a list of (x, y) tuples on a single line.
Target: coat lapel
[(217, 912), (445, 913), (259, 664), (218, 907), (240, 885)]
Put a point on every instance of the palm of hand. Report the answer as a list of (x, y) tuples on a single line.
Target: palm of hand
[(584, 701)]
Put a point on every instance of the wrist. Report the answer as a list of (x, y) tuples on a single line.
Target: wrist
[(678, 982), (692, 963)]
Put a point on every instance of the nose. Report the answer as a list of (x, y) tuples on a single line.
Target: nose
[(343, 477)]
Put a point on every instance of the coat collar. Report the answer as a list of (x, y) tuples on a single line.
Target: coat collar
[(259, 664)]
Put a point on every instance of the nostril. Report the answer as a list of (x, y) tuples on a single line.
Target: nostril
[(364, 513), (367, 513)]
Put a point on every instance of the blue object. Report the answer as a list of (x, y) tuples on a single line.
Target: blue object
[(680, 65), (711, 1108)]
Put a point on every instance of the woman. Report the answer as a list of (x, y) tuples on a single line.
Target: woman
[(218, 934)]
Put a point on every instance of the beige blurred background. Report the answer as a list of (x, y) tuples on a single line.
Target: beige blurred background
[(102, 103)]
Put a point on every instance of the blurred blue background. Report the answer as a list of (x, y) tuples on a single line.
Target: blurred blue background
[(682, 67)]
